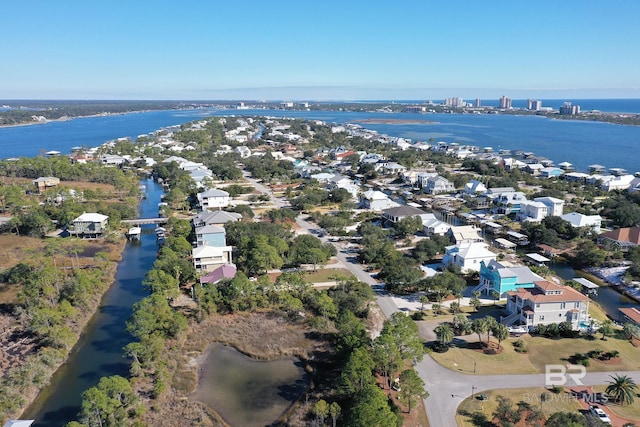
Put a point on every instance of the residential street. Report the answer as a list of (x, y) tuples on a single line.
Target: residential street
[(447, 388)]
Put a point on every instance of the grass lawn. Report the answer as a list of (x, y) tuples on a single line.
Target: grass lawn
[(542, 351), (472, 412), (630, 412), (326, 275)]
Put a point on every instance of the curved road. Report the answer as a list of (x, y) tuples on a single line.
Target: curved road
[(447, 388)]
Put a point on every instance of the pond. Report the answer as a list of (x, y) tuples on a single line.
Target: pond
[(607, 298), (248, 392)]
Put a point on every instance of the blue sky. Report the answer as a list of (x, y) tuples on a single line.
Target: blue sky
[(338, 50)]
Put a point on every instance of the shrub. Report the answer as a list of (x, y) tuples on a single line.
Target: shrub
[(557, 389), (520, 346), (553, 330)]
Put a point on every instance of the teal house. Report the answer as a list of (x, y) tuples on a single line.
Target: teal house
[(503, 278), (211, 235)]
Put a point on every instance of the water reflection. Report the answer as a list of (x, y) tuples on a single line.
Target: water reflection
[(248, 392)]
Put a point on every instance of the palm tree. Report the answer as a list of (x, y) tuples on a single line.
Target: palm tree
[(423, 300), (444, 333), (501, 332), (479, 326), (623, 388)]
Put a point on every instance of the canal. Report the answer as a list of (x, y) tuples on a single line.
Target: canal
[(607, 297), (99, 351)]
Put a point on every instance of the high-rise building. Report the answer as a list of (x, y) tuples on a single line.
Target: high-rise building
[(534, 104), (454, 102), (505, 102), (478, 103), (569, 110)]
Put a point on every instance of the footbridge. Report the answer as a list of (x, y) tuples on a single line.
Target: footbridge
[(142, 221)]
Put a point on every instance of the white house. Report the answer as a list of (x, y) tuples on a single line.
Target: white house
[(376, 201), (622, 182), (465, 234), (554, 206), (468, 256), (214, 199), (474, 187), (243, 151), (401, 212), (580, 220), (89, 225), (435, 226), (532, 211), (215, 218), (546, 303)]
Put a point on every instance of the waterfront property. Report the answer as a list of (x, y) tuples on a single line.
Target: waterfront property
[(214, 199), (89, 225), (546, 303), (623, 238), (468, 256)]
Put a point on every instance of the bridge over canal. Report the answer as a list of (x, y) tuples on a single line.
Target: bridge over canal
[(142, 221)]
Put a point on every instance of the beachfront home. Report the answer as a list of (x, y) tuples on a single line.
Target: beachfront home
[(214, 199), (468, 256), (509, 202), (546, 303), (89, 226), (622, 182), (45, 182), (504, 277)]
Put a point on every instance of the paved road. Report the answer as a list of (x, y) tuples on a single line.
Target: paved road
[(447, 388)]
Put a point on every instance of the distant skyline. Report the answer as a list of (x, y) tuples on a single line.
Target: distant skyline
[(332, 50)]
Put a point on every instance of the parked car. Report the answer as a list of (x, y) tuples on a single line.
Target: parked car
[(600, 414)]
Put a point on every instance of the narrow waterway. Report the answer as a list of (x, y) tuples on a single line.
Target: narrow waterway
[(607, 297), (99, 352)]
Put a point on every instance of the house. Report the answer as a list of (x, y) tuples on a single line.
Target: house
[(546, 303), (580, 220), (630, 314), (531, 211), (112, 160), (551, 172), (199, 176), (393, 168), (555, 206), (211, 235), (504, 277), (208, 258), (634, 185), (622, 182), (89, 225), (214, 199), (401, 212), (227, 271), (465, 234), (434, 226), (437, 185), (474, 187), (376, 201), (468, 256), (509, 202), (45, 182), (622, 238), (215, 218)]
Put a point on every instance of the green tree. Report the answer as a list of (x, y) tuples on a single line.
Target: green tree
[(108, 403), (492, 323), (386, 356), (606, 328), (631, 331), (370, 408), (357, 372), (321, 410), (334, 411), (566, 419), (444, 333), (407, 226), (622, 388), (405, 332), (479, 326), (411, 388), (153, 314), (501, 332)]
